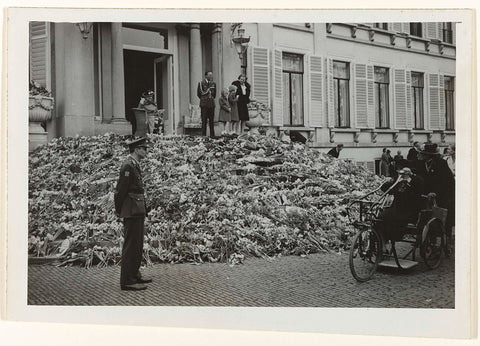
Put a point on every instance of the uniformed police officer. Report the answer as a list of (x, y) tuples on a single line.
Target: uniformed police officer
[(130, 205)]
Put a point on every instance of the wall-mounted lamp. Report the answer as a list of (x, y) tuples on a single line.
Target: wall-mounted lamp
[(84, 28), (241, 44)]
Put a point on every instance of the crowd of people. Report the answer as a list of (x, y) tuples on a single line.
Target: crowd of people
[(233, 102), (425, 172), (233, 107)]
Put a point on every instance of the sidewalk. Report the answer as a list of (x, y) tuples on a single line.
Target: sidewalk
[(318, 280)]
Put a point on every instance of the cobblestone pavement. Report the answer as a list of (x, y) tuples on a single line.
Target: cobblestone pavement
[(318, 280)]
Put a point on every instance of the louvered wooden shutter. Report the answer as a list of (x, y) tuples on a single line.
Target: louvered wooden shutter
[(361, 96), (440, 31), (454, 37), (409, 105), (400, 99), (406, 28), (260, 74), (434, 101), (441, 95), (397, 27), (277, 88), (431, 30), (371, 97), (316, 91), (330, 93), (39, 51)]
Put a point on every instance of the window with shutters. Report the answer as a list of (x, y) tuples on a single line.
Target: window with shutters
[(341, 82), (449, 87), (417, 92), (447, 32), (292, 69), (416, 29), (383, 26), (382, 87), (39, 53)]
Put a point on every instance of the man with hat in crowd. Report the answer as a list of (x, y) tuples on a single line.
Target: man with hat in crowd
[(407, 191), (130, 205), (439, 180)]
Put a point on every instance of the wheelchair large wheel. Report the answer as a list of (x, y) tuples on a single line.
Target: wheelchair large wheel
[(365, 254), (433, 242)]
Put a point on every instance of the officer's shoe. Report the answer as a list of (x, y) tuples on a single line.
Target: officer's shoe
[(133, 287), (144, 280)]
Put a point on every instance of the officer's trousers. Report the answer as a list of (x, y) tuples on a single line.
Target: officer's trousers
[(132, 250), (207, 114)]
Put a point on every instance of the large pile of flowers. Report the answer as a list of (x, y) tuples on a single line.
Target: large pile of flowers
[(211, 200)]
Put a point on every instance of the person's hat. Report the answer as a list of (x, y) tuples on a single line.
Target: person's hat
[(430, 149), (148, 93), (405, 170), (138, 143)]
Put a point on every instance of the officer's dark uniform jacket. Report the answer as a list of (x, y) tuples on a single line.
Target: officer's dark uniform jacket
[(206, 96), (130, 194)]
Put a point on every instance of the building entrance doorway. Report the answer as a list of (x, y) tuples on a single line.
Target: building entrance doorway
[(148, 71)]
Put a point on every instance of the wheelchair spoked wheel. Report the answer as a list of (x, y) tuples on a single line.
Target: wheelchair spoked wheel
[(433, 243), (365, 254)]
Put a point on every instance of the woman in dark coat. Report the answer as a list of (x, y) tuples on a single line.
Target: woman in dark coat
[(243, 93), (384, 163)]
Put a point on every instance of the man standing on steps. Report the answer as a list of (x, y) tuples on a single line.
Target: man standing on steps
[(206, 92), (130, 205)]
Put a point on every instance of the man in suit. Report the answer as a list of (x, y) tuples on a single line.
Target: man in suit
[(206, 92), (438, 179), (335, 152), (130, 205), (413, 152)]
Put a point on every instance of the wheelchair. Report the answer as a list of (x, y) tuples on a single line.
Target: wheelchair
[(367, 253)]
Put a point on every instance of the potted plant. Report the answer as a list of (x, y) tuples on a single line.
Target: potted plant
[(39, 111), (259, 114)]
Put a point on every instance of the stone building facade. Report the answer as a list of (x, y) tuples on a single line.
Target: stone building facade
[(368, 86)]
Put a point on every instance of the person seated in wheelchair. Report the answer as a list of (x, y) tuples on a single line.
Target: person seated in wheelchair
[(153, 114), (407, 191)]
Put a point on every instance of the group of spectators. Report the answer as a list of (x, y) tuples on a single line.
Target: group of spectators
[(233, 102), (425, 172), (389, 165)]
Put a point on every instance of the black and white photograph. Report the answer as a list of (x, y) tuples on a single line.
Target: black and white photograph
[(252, 163)]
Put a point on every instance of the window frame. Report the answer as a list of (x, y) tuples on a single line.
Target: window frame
[(347, 97), (421, 104), (302, 74), (383, 26), (451, 93), (447, 32), (416, 27), (387, 108)]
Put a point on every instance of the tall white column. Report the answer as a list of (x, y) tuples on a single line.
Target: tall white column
[(118, 77), (217, 62)]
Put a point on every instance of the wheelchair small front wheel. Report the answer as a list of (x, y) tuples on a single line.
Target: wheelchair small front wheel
[(365, 254)]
